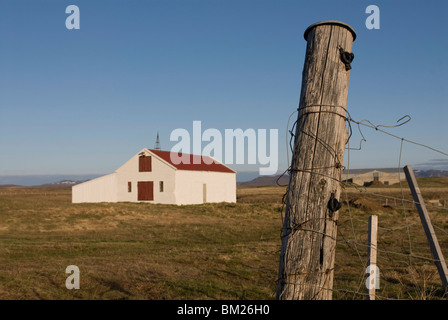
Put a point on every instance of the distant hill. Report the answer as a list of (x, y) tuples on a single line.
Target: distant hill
[(266, 181), (430, 173), (46, 179), (284, 180), (64, 183), (3, 186)]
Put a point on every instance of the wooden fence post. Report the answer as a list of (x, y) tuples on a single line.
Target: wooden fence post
[(310, 226), (427, 226), (372, 268)]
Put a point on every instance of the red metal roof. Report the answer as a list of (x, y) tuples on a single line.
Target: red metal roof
[(204, 163)]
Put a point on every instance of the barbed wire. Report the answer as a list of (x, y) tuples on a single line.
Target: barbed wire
[(369, 124), (365, 191), (354, 244)]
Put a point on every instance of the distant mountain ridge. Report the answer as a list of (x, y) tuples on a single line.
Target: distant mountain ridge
[(430, 173), (65, 183), (256, 182), (262, 181), (46, 179), (284, 180)]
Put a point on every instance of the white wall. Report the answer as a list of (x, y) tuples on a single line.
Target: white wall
[(220, 186), (161, 171), (102, 189)]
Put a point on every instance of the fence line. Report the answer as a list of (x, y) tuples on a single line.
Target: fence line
[(353, 242)]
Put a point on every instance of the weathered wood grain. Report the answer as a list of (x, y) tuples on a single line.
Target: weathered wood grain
[(310, 228), (372, 252), (436, 251)]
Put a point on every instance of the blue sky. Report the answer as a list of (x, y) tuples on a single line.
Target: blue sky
[(84, 101)]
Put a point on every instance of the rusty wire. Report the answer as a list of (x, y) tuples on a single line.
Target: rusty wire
[(352, 244)]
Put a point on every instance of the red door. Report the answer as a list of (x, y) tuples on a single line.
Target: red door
[(145, 190)]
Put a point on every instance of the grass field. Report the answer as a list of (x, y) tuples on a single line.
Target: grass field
[(210, 251)]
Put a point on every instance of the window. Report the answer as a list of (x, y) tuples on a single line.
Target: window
[(129, 186), (144, 164), (161, 186)]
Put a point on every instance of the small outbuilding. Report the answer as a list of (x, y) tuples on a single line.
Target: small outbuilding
[(365, 177), (152, 176)]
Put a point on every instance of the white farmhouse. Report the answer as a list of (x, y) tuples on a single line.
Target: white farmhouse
[(151, 176)]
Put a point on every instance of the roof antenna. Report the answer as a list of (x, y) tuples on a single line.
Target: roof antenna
[(157, 146)]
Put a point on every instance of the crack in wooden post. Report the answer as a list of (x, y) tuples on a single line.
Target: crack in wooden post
[(316, 166)]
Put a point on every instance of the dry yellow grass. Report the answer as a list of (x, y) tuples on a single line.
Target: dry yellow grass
[(210, 251), (135, 251)]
